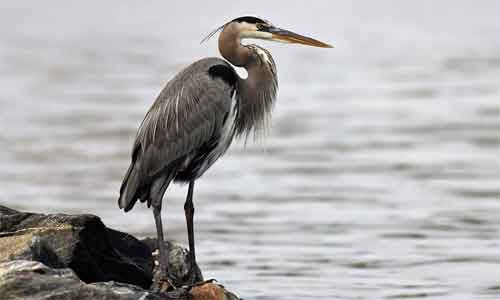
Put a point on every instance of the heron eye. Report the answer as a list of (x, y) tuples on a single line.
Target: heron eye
[(262, 27)]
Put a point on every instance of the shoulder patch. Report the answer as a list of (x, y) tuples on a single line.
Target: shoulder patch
[(225, 73)]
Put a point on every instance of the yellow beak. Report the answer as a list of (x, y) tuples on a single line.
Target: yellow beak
[(285, 36)]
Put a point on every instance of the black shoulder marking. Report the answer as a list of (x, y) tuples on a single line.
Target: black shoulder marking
[(226, 73), (249, 19)]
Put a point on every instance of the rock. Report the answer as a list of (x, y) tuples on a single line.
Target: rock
[(61, 256), (23, 279), (211, 291), (80, 242), (178, 263)]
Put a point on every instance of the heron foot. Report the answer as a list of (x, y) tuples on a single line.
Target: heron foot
[(194, 274), (162, 285)]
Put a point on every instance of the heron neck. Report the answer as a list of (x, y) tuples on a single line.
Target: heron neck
[(231, 48), (256, 93)]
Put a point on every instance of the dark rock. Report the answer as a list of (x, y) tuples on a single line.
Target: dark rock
[(61, 256), (80, 242)]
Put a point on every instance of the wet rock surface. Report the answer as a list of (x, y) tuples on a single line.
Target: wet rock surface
[(61, 256)]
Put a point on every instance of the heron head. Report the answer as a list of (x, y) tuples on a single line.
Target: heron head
[(256, 28)]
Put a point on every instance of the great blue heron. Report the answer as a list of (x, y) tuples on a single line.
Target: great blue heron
[(196, 116)]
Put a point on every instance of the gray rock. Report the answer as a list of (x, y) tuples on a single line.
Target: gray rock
[(23, 279), (80, 242), (179, 265)]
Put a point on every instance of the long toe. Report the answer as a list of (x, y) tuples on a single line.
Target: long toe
[(162, 285), (194, 275)]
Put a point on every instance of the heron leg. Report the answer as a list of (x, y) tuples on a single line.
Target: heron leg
[(163, 260), (195, 273)]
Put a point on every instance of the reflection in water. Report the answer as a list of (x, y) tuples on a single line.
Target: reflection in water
[(379, 180)]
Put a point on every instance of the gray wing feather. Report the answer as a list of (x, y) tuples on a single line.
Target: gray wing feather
[(189, 111)]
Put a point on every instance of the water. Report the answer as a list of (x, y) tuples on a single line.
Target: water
[(380, 178)]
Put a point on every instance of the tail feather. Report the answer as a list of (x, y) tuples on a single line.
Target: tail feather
[(137, 186), (129, 189)]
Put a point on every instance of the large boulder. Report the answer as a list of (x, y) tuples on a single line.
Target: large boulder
[(80, 242)]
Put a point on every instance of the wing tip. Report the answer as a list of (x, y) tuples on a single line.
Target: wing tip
[(125, 204)]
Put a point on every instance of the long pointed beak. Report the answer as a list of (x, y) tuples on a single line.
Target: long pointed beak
[(285, 36)]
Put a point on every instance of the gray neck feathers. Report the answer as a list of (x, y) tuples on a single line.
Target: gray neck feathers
[(255, 94)]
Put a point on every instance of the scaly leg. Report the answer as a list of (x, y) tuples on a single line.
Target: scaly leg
[(163, 252), (195, 273)]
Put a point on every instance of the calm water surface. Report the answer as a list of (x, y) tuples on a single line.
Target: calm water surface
[(380, 178)]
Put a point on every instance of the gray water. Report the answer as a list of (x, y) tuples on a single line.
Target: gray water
[(380, 178)]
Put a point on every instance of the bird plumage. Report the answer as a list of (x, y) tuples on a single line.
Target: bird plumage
[(183, 133)]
